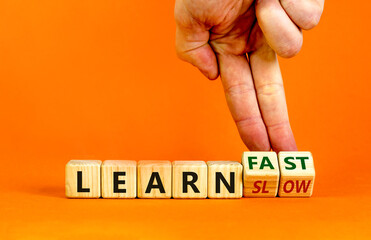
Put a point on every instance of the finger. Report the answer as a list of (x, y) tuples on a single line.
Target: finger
[(241, 99), (304, 13), (281, 33), (191, 48), (271, 97), (192, 43)]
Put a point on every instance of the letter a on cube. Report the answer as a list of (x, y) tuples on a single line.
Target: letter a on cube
[(83, 179), (189, 179), (119, 179), (224, 179), (261, 174), (297, 174), (154, 179)]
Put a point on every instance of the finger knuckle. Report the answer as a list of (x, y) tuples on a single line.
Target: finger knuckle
[(239, 89), (248, 121), (270, 89)]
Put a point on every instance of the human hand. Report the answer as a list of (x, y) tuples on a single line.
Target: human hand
[(238, 40)]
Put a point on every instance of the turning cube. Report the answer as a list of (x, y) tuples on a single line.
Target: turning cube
[(189, 179), (83, 179), (154, 179), (297, 174), (119, 179), (261, 174), (224, 179)]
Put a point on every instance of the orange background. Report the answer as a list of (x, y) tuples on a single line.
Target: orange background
[(100, 80)]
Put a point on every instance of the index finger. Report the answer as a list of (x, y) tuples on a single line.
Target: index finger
[(241, 98), (271, 98)]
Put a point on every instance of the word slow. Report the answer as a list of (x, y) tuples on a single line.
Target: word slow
[(261, 174)]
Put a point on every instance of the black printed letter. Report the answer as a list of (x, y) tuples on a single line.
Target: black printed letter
[(158, 185), (219, 177), (116, 182), (79, 183), (191, 183)]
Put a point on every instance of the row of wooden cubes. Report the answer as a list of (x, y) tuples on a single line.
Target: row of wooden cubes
[(261, 174)]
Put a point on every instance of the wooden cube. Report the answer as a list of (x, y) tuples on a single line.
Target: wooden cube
[(119, 179), (189, 179), (224, 179), (261, 174), (83, 179), (154, 179), (297, 174)]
